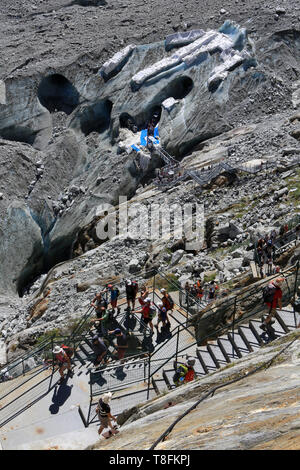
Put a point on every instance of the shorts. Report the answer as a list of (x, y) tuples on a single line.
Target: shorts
[(121, 353), (114, 303), (162, 317), (131, 297), (104, 421)]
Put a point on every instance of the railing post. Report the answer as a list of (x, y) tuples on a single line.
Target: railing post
[(149, 364), (234, 312), (294, 294), (23, 368), (154, 286), (177, 342)]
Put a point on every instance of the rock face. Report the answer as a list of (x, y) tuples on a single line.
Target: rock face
[(256, 412)]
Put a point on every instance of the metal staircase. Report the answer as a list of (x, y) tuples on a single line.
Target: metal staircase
[(206, 175), (144, 375)]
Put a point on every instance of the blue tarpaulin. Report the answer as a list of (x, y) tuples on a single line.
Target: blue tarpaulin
[(143, 138), (144, 133)]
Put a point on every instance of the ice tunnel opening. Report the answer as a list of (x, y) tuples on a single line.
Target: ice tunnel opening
[(18, 134), (96, 118), (56, 93)]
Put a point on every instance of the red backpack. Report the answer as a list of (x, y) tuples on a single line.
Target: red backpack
[(69, 351)]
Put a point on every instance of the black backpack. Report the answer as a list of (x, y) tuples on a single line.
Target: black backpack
[(268, 293)]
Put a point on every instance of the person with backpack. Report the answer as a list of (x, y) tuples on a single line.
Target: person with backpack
[(162, 316), (131, 288), (184, 372), (62, 355), (167, 300), (105, 416), (99, 303), (99, 349), (148, 312), (144, 295), (272, 295), (114, 294), (122, 343)]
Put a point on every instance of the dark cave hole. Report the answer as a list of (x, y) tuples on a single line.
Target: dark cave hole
[(151, 114), (178, 88), (56, 93), (128, 122), (96, 118), (18, 134)]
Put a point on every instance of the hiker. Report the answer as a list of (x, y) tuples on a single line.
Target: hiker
[(212, 291), (62, 357), (114, 294), (187, 289), (99, 349), (122, 344), (148, 312), (150, 133), (105, 416), (184, 372), (272, 295), (131, 292), (144, 294), (268, 334), (199, 290), (162, 316), (100, 304), (102, 321), (167, 300)]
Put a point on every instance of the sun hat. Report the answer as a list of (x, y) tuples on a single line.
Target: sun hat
[(106, 397), (162, 290), (57, 350), (117, 331), (160, 304), (147, 299)]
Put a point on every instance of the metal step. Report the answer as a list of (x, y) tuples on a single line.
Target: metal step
[(290, 318), (245, 339), (233, 340), (202, 362), (85, 352), (154, 385), (212, 354), (80, 359), (229, 349), (281, 323), (223, 350), (255, 333), (214, 347), (166, 379), (251, 338)]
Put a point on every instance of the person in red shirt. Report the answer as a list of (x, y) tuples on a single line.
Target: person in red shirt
[(167, 300), (277, 296), (63, 360), (145, 311)]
